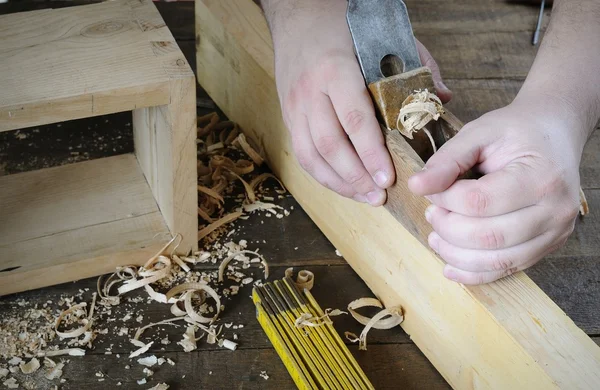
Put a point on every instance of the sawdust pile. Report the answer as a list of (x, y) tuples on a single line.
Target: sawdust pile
[(38, 342)]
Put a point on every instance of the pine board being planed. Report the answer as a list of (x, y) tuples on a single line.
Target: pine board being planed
[(92, 215), (502, 335)]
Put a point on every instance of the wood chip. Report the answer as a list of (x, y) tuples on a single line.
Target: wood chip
[(30, 367), (141, 350)]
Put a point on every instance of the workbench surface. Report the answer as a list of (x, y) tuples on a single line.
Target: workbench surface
[(484, 50)]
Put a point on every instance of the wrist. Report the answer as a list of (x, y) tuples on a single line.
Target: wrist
[(573, 120)]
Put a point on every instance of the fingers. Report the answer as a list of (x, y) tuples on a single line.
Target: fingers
[(489, 233), (476, 260), (453, 159), (312, 162), (333, 145), (442, 90), (475, 278), (354, 109), (509, 189)]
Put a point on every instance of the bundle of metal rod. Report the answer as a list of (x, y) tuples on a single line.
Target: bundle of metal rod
[(315, 356)]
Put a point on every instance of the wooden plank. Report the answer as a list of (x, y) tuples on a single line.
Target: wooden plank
[(508, 333), (77, 62), (165, 137), (90, 216), (220, 369)]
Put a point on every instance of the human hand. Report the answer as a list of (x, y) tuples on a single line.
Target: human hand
[(326, 106), (525, 205)]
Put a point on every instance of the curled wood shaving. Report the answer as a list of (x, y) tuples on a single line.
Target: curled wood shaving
[(248, 149), (185, 287), (157, 296), (378, 321), (155, 269), (217, 224), (307, 319), (352, 337), (212, 120), (232, 256), (250, 194), (212, 193), (304, 280), (121, 274), (87, 322), (417, 110), (394, 313), (141, 330), (204, 215), (176, 310), (584, 208), (190, 310), (258, 180)]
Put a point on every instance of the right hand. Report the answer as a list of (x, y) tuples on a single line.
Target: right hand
[(326, 106)]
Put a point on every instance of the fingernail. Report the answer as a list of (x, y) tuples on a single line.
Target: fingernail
[(428, 212), (443, 86), (376, 198), (434, 241), (360, 198), (380, 178), (449, 273)]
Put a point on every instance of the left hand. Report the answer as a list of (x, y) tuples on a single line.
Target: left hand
[(525, 205)]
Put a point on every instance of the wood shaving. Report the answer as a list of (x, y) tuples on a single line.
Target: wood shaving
[(352, 337), (30, 367), (156, 269), (584, 208), (189, 339), (307, 319), (250, 151), (418, 109), (231, 257), (63, 352), (304, 280), (87, 322), (160, 386), (258, 180), (141, 330), (141, 350), (217, 224), (378, 321)]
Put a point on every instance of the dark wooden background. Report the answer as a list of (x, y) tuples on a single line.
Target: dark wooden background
[(484, 51)]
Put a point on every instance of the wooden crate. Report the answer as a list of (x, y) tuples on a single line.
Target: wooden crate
[(80, 220)]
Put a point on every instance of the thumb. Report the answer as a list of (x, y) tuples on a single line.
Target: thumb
[(442, 90), (454, 158)]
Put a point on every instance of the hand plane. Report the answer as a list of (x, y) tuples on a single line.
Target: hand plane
[(389, 59)]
